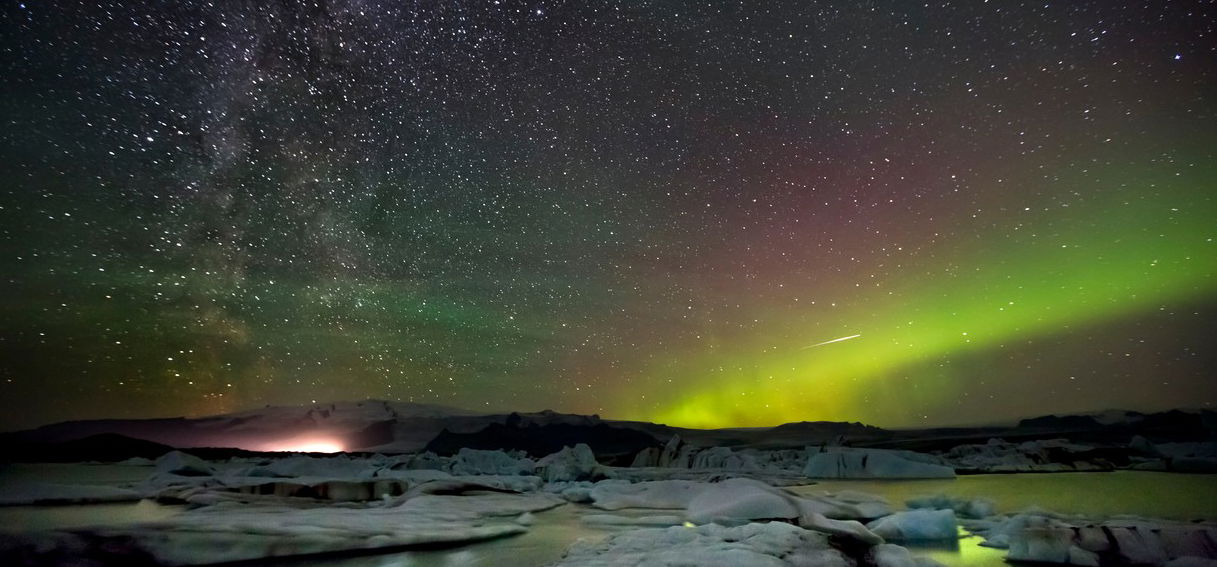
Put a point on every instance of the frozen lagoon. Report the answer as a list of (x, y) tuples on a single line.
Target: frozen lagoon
[(551, 532), (1151, 494)]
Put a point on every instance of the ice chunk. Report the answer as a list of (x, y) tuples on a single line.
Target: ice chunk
[(1049, 455), (613, 520), (182, 464), (890, 555), (1079, 556), (421, 461), (1039, 536), (571, 463), (137, 462), (1143, 445), (1000, 533), (917, 525), (296, 466), (473, 461), (849, 505), (845, 528), (189, 547), (724, 458), (1047, 544), (1138, 546), (730, 502), (773, 544), (739, 500), (838, 462), (481, 505), (578, 495), (661, 494), (975, 508), (648, 457), (670, 454)]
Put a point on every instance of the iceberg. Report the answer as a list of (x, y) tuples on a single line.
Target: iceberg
[(476, 461), (740, 500), (183, 464), (569, 464), (973, 509), (916, 525), (839, 462)]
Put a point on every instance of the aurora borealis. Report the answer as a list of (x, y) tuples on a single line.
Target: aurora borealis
[(645, 210)]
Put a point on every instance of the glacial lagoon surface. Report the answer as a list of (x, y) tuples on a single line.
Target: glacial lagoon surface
[(1150, 494)]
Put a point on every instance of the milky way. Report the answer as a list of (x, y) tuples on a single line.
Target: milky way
[(645, 210)]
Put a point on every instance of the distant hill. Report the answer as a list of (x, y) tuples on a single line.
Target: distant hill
[(104, 447), (370, 426), (399, 427), (830, 428), (1176, 425)]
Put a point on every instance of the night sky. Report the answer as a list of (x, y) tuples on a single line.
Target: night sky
[(651, 210)]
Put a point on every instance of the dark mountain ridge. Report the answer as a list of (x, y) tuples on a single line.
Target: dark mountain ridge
[(397, 427)]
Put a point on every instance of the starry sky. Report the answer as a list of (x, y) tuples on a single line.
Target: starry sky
[(657, 210)]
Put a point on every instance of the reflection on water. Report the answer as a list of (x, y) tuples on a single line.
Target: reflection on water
[(29, 518), (964, 552)]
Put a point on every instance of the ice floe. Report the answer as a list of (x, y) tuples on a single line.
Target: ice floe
[(240, 531), (773, 544), (890, 555), (740, 500)]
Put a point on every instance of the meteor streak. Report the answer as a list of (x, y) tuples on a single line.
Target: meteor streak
[(830, 342)]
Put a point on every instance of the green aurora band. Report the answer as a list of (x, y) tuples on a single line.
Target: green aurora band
[(1066, 268)]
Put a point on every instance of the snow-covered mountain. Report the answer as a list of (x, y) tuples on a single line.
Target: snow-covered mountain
[(350, 426)]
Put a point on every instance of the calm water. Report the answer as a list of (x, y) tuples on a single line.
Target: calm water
[(75, 473), (21, 518), (1173, 496)]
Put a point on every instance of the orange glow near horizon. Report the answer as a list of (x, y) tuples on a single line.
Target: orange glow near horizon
[(307, 445)]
